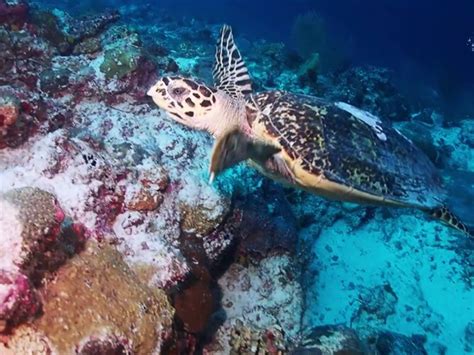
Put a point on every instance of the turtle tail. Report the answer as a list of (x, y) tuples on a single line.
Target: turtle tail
[(443, 214)]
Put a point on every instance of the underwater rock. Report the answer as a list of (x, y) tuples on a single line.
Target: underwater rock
[(147, 195), (389, 343), (253, 341), (378, 301), (266, 214), (25, 340), (31, 221), (201, 218), (18, 299), (18, 111), (123, 52), (105, 345), (22, 56), (265, 54), (94, 199), (120, 61), (88, 46), (31, 112), (219, 242), (273, 287), (65, 32), (196, 303), (9, 112), (448, 148), (453, 145), (124, 69), (13, 13), (97, 302), (143, 200), (54, 81), (330, 339), (372, 89)]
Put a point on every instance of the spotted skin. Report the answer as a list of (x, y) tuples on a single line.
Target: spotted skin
[(330, 142), (193, 98), (444, 214)]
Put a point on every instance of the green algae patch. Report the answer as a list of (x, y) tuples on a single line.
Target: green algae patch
[(120, 61), (96, 302)]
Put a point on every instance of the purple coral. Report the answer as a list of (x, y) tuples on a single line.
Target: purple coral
[(13, 13)]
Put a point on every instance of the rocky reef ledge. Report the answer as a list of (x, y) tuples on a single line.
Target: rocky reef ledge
[(113, 242)]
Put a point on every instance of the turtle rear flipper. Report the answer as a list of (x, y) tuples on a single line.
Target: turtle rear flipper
[(233, 147), (443, 214), (230, 73)]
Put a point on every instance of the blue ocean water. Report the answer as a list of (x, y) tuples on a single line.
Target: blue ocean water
[(256, 265), (427, 40)]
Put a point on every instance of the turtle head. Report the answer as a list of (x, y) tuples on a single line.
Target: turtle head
[(194, 104)]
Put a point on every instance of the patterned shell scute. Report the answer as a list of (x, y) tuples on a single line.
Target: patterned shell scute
[(350, 147)]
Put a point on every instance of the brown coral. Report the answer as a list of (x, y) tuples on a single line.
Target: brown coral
[(26, 340), (201, 219), (145, 200), (9, 111), (149, 195), (40, 218), (97, 302)]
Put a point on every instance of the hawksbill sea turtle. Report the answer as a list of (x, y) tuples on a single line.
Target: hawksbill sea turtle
[(332, 149)]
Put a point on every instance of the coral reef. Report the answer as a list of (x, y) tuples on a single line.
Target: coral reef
[(244, 340), (277, 301), (9, 112), (330, 339), (372, 89), (202, 219), (96, 304), (31, 222), (65, 32), (378, 302), (18, 299), (102, 306), (248, 266), (26, 340)]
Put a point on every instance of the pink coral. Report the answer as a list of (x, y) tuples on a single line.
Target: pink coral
[(18, 300)]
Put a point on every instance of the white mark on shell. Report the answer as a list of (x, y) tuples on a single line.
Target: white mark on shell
[(366, 117)]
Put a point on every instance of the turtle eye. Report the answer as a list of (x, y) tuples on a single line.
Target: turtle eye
[(178, 91)]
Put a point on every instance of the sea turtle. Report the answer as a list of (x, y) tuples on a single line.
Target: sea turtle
[(332, 149)]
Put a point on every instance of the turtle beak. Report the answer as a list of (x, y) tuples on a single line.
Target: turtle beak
[(152, 90)]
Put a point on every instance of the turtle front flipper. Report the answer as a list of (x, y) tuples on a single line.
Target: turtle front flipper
[(443, 214), (230, 73), (235, 146)]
